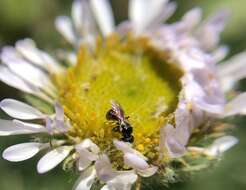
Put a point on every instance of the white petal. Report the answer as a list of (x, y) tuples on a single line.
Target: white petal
[(89, 30), (59, 112), (15, 81), (168, 11), (21, 152), (28, 49), (148, 172), (20, 110), (50, 64), (184, 122), (10, 128), (77, 14), (104, 16), (221, 145), (236, 106), (85, 158), (220, 53), (25, 69), (86, 179), (135, 161), (30, 126), (88, 144), (83, 163), (107, 187), (127, 148), (170, 141), (64, 26), (232, 70), (192, 18), (124, 147), (122, 181), (53, 158), (209, 33), (12, 80), (104, 168), (142, 13), (216, 109)]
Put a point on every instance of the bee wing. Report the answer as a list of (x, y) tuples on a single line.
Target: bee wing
[(118, 110)]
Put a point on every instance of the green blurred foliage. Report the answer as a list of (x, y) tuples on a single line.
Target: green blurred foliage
[(35, 18)]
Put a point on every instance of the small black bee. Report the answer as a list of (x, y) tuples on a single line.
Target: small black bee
[(117, 114)]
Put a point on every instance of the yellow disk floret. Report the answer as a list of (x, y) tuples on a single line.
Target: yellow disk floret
[(130, 72)]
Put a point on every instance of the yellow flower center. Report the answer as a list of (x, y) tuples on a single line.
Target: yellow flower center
[(129, 71)]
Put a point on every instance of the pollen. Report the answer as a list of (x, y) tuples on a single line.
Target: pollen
[(133, 73), (140, 147)]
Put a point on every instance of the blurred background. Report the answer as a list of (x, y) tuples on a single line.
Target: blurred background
[(34, 19)]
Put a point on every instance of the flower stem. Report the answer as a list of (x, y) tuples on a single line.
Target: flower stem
[(138, 184)]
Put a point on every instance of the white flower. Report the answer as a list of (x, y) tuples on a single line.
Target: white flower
[(192, 45)]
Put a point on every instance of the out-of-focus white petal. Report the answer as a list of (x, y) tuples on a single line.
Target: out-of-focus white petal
[(25, 69), (10, 128), (216, 109), (221, 145), (209, 32), (77, 14), (168, 11), (53, 158), (236, 106), (21, 152), (20, 110), (142, 13), (64, 26), (12, 80), (191, 19), (86, 179), (89, 29), (104, 16), (232, 70), (27, 48), (220, 53)]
